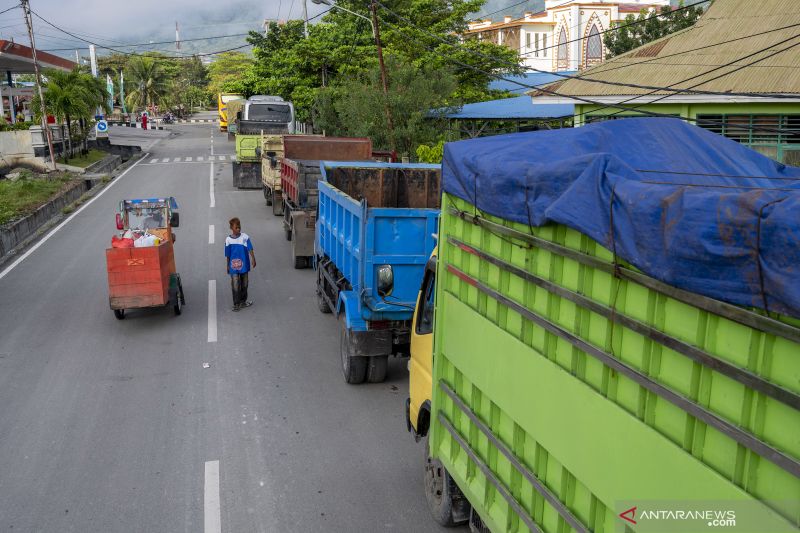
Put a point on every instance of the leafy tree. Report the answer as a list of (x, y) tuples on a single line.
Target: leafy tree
[(355, 106), (634, 32), (227, 68)]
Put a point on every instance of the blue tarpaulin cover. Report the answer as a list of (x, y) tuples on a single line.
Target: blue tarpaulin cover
[(684, 205)]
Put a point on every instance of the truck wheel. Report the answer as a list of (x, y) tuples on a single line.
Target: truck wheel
[(268, 196), (178, 305), (288, 232), (376, 368), (447, 504), (119, 313), (277, 205), (354, 367), (322, 303)]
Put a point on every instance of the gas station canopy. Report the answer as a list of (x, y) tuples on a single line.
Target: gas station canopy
[(18, 59)]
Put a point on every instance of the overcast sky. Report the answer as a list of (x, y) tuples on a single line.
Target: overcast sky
[(134, 21)]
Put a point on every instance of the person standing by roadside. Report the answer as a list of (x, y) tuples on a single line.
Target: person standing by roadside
[(239, 259)]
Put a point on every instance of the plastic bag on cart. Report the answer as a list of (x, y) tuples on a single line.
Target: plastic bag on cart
[(121, 242), (146, 240)]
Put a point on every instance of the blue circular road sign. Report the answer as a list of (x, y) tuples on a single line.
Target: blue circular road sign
[(102, 126)]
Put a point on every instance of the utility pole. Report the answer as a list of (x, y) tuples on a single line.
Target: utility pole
[(305, 18), (376, 29), (29, 22)]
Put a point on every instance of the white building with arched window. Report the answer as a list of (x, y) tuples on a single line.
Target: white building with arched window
[(566, 36)]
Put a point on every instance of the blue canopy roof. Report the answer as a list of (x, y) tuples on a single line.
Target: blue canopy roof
[(684, 205), (520, 107), (529, 78)]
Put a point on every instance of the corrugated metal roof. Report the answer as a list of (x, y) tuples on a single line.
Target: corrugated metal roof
[(672, 59)]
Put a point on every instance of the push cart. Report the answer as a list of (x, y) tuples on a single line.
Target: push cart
[(141, 277)]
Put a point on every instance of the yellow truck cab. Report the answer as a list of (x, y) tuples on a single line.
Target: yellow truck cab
[(420, 365)]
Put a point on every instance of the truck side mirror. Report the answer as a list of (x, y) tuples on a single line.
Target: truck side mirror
[(120, 223), (238, 115), (175, 219)]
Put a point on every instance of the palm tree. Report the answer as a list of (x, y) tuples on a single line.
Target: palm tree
[(147, 82), (70, 95), (98, 97)]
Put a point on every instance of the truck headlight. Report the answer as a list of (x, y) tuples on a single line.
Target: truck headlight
[(385, 280)]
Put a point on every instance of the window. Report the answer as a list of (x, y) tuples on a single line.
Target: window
[(544, 44), (776, 136), (424, 324), (563, 52), (594, 47), (528, 40), (537, 45)]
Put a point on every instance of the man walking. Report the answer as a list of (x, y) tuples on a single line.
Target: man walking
[(239, 259)]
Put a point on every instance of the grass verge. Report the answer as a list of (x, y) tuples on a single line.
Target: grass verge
[(85, 160), (24, 196)]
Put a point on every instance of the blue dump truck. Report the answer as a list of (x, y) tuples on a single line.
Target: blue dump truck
[(376, 229)]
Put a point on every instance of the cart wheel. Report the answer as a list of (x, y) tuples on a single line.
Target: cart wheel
[(178, 306), (180, 290), (119, 313)]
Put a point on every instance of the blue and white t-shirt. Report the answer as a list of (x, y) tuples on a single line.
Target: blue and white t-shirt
[(237, 250)]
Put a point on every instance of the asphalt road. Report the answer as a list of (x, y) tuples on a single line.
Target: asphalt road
[(111, 425)]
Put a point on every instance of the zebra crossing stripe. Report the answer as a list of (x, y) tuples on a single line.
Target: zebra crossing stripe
[(200, 158), (188, 159), (232, 157), (176, 159), (154, 161), (165, 160)]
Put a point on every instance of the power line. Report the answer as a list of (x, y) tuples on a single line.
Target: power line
[(583, 99), (515, 5), (773, 54), (160, 42), (182, 56), (570, 76), (600, 70), (10, 8), (621, 26)]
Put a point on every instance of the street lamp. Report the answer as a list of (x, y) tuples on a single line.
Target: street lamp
[(377, 34), (359, 15)]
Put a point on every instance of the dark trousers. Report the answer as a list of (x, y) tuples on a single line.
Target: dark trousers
[(239, 288)]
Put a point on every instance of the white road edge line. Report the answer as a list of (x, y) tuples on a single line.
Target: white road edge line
[(213, 201), (212, 310), (73, 215), (211, 234), (211, 503)]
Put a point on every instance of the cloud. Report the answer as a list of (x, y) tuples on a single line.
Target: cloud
[(135, 21)]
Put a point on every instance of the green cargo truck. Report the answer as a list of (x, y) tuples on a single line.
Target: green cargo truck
[(567, 390), (260, 115)]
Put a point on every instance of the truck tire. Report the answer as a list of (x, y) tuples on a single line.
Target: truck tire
[(354, 367), (322, 303), (268, 196), (447, 504), (119, 313), (277, 205), (376, 368)]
